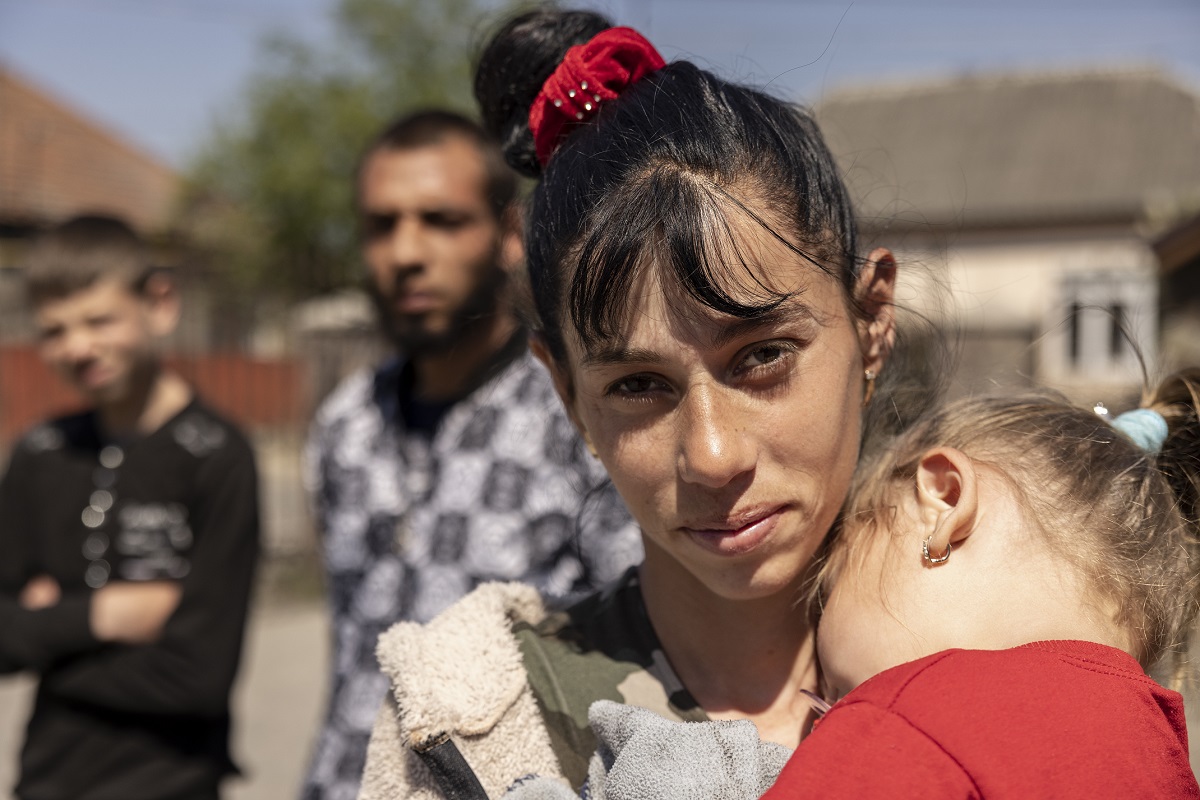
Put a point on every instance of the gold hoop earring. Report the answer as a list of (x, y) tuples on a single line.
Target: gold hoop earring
[(868, 393), (932, 559)]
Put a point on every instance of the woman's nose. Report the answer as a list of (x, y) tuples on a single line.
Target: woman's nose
[(714, 448)]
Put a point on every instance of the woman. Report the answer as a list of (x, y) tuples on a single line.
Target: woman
[(717, 341)]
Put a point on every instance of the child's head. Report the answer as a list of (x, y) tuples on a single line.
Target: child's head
[(99, 305), (1040, 508)]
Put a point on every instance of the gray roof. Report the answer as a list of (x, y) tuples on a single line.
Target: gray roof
[(1039, 149)]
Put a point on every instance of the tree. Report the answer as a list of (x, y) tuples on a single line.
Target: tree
[(270, 196)]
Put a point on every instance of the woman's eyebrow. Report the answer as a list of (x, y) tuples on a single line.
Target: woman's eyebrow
[(617, 355), (786, 313), (789, 312)]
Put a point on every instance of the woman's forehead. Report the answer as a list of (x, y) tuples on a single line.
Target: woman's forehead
[(712, 257), (660, 310)]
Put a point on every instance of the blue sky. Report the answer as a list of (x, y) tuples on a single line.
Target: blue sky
[(160, 71)]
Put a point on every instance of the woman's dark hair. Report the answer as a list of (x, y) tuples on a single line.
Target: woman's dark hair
[(511, 69), (663, 168)]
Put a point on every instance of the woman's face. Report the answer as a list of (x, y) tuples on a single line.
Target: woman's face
[(732, 442)]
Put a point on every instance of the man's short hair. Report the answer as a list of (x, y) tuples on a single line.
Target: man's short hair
[(430, 127), (75, 254)]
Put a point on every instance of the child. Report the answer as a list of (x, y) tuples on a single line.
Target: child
[(1062, 551), (129, 534), (1006, 571)]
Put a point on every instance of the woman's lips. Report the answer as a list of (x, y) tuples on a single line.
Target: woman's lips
[(738, 536)]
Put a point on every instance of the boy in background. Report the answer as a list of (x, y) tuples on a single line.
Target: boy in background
[(129, 535)]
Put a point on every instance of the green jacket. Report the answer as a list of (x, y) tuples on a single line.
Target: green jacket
[(510, 682)]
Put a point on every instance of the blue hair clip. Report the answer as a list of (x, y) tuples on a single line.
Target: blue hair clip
[(1146, 427)]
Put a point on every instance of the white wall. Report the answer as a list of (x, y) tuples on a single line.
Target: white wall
[(1023, 283)]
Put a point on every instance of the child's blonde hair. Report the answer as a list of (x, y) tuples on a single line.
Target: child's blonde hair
[(1125, 517)]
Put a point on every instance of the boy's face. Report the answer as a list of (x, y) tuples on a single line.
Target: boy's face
[(101, 339)]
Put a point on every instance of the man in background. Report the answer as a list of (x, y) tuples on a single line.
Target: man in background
[(129, 535), (453, 463)]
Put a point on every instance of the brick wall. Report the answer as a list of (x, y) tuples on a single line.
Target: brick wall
[(54, 163), (256, 393)]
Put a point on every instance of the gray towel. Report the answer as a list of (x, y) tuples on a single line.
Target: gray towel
[(645, 757)]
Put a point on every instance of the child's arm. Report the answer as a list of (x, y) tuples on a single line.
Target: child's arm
[(32, 638), (859, 750), (122, 611), (189, 669), (133, 612)]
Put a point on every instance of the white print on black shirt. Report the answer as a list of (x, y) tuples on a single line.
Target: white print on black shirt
[(153, 540)]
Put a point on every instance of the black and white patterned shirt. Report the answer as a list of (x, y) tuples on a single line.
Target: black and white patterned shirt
[(503, 489)]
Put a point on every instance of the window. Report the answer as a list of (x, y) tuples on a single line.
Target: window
[(1102, 321)]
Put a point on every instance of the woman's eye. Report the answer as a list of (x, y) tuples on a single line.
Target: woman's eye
[(764, 355)]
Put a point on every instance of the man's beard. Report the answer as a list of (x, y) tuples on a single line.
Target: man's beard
[(409, 333)]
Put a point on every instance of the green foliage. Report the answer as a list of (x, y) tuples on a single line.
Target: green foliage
[(271, 194)]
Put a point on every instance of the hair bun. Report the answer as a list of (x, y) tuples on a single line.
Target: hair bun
[(1145, 426), (512, 67), (590, 74)]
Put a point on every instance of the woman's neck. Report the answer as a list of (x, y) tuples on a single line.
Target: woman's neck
[(740, 659)]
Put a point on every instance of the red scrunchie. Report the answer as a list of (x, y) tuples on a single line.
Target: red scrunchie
[(589, 74)]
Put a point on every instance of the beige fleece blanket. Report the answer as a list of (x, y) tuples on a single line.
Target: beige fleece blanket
[(460, 674)]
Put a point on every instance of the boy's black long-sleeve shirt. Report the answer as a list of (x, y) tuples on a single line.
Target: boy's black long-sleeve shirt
[(124, 721)]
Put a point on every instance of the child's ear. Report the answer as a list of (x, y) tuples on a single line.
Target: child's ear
[(947, 494), (162, 303)]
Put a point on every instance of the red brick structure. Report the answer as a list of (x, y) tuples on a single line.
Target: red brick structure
[(55, 163), (258, 393)]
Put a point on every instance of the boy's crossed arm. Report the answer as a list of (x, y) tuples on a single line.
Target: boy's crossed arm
[(41, 625), (130, 613)]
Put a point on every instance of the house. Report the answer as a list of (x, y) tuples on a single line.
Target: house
[(1178, 251), (1038, 200), (55, 163)]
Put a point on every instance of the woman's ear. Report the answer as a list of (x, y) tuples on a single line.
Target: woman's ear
[(562, 384), (947, 496), (875, 292), (512, 242)]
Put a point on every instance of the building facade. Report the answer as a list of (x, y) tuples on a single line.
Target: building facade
[(1037, 200)]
